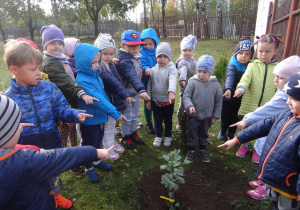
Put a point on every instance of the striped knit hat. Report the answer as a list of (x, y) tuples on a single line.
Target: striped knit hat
[(104, 41), (10, 117)]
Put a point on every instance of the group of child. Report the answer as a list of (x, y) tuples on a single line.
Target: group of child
[(107, 84)]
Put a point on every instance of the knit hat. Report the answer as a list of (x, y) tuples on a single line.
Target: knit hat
[(163, 48), (70, 44), (292, 87), (104, 41), (51, 33), (29, 42), (206, 63), (288, 67), (131, 37), (10, 117), (189, 41), (244, 45)]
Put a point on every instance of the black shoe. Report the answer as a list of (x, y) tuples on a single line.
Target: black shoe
[(76, 170), (190, 155), (149, 128), (230, 136), (126, 140), (204, 156), (136, 138)]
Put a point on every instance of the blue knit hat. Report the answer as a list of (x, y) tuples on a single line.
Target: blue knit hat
[(292, 87), (51, 33), (244, 45), (206, 63)]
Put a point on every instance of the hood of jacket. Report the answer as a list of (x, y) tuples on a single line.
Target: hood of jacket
[(83, 55), (150, 33), (239, 66)]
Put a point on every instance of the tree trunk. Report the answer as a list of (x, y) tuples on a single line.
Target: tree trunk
[(164, 17), (198, 19), (184, 18), (145, 15), (2, 32), (96, 26), (31, 28), (155, 28)]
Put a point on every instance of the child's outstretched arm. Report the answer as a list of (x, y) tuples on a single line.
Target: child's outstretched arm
[(88, 99), (228, 144)]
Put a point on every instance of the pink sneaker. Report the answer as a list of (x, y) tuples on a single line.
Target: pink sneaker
[(113, 155), (257, 183), (260, 193), (118, 148), (242, 151), (255, 157)]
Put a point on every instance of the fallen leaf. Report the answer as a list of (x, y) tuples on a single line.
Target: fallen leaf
[(141, 173), (243, 171), (74, 200), (135, 150), (127, 164), (121, 160), (225, 168)]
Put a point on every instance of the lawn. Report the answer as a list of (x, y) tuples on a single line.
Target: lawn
[(121, 188)]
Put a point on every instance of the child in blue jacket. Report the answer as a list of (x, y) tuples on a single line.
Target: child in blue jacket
[(87, 60), (148, 61), (279, 162)]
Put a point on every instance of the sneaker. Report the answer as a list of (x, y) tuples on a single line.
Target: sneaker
[(138, 127), (204, 156), (177, 126), (101, 164), (91, 175), (190, 155), (76, 170), (118, 131), (157, 141), (255, 157), (259, 193), (126, 140), (221, 137), (149, 128), (138, 123), (136, 138), (242, 151), (230, 136), (63, 202), (113, 155), (256, 183), (118, 148), (167, 141)]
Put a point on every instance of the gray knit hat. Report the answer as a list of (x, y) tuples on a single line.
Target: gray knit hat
[(288, 67), (10, 117), (206, 63), (104, 41), (164, 48)]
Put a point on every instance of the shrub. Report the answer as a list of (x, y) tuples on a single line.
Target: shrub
[(220, 67)]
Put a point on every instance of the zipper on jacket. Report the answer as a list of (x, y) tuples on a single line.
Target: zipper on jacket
[(263, 89), (35, 112)]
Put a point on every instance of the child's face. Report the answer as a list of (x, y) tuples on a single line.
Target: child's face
[(266, 51), (55, 47), (294, 105), (28, 74), (279, 82), (162, 60), (108, 54), (243, 56), (203, 76), (132, 49), (187, 53), (95, 61), (150, 44)]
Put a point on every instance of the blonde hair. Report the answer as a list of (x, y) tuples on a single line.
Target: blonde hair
[(19, 53)]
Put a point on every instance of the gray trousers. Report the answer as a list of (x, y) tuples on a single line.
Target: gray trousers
[(197, 128), (280, 202), (132, 110)]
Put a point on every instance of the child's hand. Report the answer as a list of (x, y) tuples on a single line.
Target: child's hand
[(144, 96), (81, 117), (228, 144), (104, 153), (128, 100), (171, 97), (241, 125), (115, 61), (182, 83), (1, 93), (227, 94), (148, 105), (148, 72), (88, 99), (122, 117), (298, 199), (213, 120), (238, 93), (192, 110)]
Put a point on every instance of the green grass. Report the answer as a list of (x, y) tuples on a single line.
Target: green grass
[(118, 188)]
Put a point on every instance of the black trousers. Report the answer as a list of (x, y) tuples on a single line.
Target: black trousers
[(197, 128), (229, 116)]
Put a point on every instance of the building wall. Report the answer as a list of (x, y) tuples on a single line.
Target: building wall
[(262, 17)]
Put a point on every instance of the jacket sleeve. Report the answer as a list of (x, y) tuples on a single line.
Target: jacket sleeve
[(218, 102), (58, 75), (187, 95), (126, 69), (44, 165), (246, 78), (172, 79), (149, 86), (60, 106), (182, 70), (230, 77), (144, 61)]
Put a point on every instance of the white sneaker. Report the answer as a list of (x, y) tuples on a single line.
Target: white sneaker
[(167, 141), (157, 141)]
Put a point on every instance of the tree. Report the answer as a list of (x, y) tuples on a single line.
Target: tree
[(3, 15), (163, 13), (145, 14)]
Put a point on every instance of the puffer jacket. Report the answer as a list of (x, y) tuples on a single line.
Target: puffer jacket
[(206, 97), (25, 173), (279, 162), (93, 86), (113, 86), (41, 104), (130, 71)]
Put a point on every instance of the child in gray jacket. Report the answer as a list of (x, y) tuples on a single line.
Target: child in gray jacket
[(202, 99), (161, 88)]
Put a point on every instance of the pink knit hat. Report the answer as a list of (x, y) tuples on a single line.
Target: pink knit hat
[(70, 44), (288, 67)]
